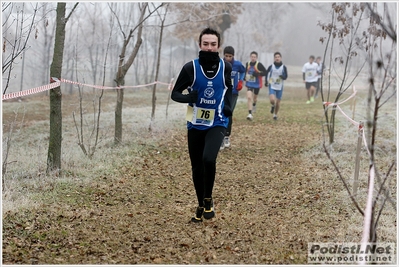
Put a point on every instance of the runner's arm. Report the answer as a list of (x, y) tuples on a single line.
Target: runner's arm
[(228, 97), (262, 69), (184, 80), (285, 73), (267, 72), (242, 71)]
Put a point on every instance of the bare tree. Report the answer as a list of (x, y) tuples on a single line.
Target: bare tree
[(18, 26), (383, 83), (377, 44), (94, 46), (89, 147), (55, 139), (48, 37), (124, 64), (162, 18), (344, 34), (8, 142)]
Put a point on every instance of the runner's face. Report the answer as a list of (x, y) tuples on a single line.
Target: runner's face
[(277, 58), (209, 42), (253, 58), (228, 57), (311, 60)]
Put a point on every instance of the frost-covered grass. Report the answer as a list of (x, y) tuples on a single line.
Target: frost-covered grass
[(343, 152), (26, 162)]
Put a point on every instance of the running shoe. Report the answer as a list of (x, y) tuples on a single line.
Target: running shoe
[(222, 145), (198, 215), (250, 117), (311, 99), (275, 117), (272, 110), (226, 141), (308, 102), (209, 211), (253, 109)]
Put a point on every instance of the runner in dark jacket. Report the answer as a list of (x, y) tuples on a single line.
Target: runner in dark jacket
[(237, 78)]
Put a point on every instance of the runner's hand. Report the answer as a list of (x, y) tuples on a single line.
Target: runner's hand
[(239, 86), (193, 96), (227, 111)]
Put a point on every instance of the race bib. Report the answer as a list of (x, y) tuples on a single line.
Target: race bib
[(200, 116), (275, 79), (250, 78)]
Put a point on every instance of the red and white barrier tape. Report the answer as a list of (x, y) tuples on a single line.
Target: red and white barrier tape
[(369, 203), (328, 104), (368, 214), (355, 123), (57, 82), (31, 91)]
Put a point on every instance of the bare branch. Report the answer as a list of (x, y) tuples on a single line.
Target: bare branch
[(390, 28), (343, 180), (73, 9), (117, 19), (378, 217), (383, 188), (18, 45), (145, 18)]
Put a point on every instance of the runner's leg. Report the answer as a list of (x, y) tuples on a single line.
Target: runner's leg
[(196, 143), (214, 137)]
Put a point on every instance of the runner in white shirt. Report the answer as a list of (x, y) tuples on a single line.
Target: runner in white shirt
[(310, 77)]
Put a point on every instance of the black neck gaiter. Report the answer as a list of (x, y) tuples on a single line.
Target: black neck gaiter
[(209, 62)]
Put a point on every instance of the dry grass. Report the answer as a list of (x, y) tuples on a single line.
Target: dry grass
[(275, 189)]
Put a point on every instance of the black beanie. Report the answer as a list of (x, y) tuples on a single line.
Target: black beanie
[(228, 50)]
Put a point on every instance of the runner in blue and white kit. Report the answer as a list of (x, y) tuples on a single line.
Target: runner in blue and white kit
[(276, 74), (208, 80)]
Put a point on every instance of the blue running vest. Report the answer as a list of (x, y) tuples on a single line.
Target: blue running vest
[(208, 110), (252, 81)]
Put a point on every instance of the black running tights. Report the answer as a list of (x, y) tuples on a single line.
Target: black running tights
[(203, 147)]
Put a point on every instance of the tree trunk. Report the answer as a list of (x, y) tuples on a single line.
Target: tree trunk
[(123, 67), (154, 97), (54, 149), (118, 116)]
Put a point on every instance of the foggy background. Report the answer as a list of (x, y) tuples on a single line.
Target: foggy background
[(288, 27)]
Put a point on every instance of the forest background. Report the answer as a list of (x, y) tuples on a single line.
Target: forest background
[(260, 26)]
